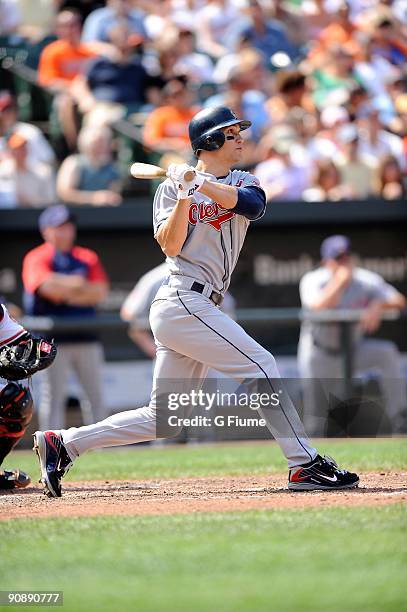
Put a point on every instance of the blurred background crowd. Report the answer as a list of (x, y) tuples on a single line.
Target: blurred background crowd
[(88, 86)]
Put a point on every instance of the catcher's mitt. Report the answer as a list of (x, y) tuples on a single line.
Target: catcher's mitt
[(25, 357)]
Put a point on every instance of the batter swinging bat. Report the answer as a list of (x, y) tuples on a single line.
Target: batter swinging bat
[(149, 171)]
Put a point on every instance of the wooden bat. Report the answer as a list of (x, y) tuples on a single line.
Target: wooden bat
[(149, 171)]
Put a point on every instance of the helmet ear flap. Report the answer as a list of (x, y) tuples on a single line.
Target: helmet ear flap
[(214, 141)]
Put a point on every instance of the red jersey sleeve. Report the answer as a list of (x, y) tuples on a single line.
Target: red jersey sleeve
[(36, 268), (96, 272)]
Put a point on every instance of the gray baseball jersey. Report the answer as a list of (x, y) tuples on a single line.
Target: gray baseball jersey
[(215, 235), (364, 287)]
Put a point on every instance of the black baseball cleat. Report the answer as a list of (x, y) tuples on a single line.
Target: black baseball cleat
[(54, 461), (13, 479), (321, 474)]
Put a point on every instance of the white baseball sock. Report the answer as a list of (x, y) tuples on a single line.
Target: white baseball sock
[(9, 328)]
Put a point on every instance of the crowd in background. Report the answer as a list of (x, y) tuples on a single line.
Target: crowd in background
[(324, 83)]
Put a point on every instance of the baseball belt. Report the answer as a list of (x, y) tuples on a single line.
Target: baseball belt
[(185, 282)]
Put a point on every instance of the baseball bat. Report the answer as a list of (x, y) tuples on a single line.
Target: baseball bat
[(149, 171)]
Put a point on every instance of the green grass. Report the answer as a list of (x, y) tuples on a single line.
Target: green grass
[(176, 461), (330, 559)]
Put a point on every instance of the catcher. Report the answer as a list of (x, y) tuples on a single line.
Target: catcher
[(21, 355)]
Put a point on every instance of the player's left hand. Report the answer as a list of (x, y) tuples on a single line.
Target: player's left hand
[(25, 357), (176, 172)]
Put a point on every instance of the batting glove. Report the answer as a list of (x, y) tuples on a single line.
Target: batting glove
[(186, 189), (176, 172)]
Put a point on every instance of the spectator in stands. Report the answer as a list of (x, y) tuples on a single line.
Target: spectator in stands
[(24, 184), (10, 17), (390, 182), (217, 19), (400, 122), (374, 72), (355, 173), (286, 171), (63, 279), (60, 63), (287, 14), (339, 284), (388, 39), (99, 22), (161, 63), (91, 177), (198, 67), (335, 78), (62, 60), (340, 32), (375, 141), (314, 18), (266, 35), (358, 97), (166, 128), (327, 184), (327, 144), (38, 148), (120, 83), (395, 88), (84, 7), (291, 92)]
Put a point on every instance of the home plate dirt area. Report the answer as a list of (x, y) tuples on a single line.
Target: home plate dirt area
[(210, 494)]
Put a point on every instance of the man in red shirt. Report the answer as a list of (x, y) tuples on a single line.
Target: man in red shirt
[(62, 279)]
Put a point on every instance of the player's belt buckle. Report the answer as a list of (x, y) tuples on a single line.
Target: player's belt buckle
[(215, 297)]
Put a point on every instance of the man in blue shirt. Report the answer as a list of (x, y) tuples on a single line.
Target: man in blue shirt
[(99, 22)]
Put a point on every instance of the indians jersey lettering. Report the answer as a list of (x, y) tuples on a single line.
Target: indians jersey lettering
[(215, 235)]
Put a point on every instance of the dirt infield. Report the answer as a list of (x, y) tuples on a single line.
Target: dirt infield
[(214, 494)]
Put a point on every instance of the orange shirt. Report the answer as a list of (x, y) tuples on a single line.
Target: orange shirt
[(168, 122), (334, 34), (61, 60)]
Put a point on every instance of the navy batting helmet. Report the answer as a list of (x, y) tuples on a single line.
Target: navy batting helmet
[(205, 128)]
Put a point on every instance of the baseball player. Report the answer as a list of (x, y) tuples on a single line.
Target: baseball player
[(20, 356), (338, 283), (200, 225)]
